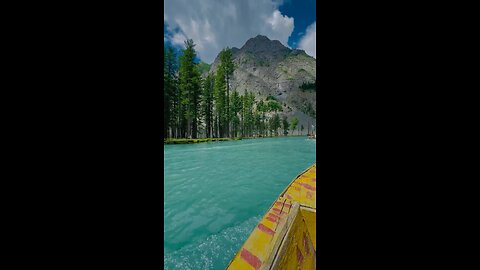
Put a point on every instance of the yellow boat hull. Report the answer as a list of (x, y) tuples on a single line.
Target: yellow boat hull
[(285, 238)]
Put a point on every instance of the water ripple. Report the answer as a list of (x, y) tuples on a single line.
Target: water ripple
[(215, 193)]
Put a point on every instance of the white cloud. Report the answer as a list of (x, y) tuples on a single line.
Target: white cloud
[(308, 41), (178, 39), (282, 27), (215, 24)]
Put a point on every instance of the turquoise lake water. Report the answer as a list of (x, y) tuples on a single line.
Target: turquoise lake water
[(215, 194)]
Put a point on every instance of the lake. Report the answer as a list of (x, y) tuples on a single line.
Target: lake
[(215, 193)]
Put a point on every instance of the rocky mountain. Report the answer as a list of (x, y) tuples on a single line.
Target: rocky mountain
[(270, 69)]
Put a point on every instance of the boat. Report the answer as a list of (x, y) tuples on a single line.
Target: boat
[(285, 237)]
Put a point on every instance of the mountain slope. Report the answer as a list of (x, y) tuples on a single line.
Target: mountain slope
[(268, 68)]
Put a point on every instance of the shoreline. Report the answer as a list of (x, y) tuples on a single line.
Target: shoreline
[(202, 140)]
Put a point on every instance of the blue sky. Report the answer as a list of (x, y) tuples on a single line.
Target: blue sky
[(303, 11), (215, 24)]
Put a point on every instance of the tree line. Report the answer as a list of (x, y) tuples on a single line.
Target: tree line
[(309, 86), (197, 107)]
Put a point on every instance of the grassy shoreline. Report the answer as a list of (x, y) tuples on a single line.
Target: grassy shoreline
[(201, 140)]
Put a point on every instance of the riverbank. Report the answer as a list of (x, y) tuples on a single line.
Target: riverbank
[(201, 140), (187, 141)]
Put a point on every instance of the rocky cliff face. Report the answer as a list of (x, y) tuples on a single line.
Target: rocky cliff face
[(268, 68)]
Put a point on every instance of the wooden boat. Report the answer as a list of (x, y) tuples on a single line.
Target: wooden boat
[(285, 238)]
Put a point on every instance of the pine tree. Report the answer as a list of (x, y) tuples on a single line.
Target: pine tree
[(219, 94), (293, 123), (170, 91), (285, 126), (226, 64), (244, 117), (236, 108), (270, 126), (207, 104), (276, 124), (250, 111), (262, 109), (189, 83), (257, 118), (166, 97), (248, 117)]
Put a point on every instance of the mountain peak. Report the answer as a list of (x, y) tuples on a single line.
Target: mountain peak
[(262, 43), (261, 37)]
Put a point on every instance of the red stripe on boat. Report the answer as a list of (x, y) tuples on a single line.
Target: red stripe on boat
[(299, 256), (251, 259), (273, 215), (273, 218), (307, 186), (265, 229), (278, 211), (280, 203)]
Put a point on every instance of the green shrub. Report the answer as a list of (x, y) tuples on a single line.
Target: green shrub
[(310, 87)]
